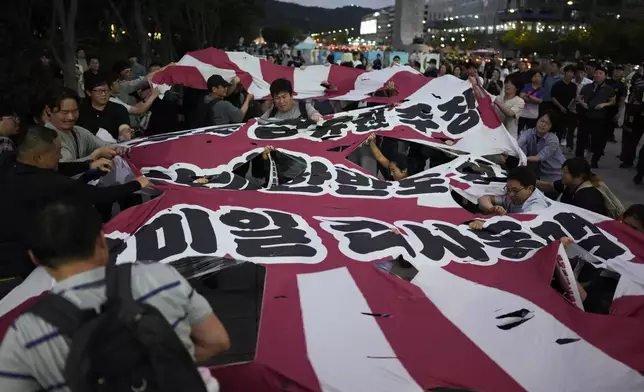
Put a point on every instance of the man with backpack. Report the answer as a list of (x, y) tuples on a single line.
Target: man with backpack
[(284, 107), (131, 327), (218, 111)]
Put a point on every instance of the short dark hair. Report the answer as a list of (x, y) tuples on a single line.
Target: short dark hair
[(579, 168), (569, 68), (64, 230), (554, 119), (619, 68), (35, 136), (397, 57), (535, 63), (281, 86), (58, 94), (92, 81), (92, 57), (580, 68), (556, 62), (524, 175), (416, 64), (636, 211)]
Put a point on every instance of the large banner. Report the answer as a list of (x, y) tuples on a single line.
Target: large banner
[(480, 315)]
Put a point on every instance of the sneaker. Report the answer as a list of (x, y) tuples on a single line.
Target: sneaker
[(626, 165)]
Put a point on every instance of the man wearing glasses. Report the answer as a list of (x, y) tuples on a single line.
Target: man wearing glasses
[(101, 117), (9, 125), (521, 195)]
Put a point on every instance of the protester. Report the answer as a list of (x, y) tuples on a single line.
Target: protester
[(218, 111), (580, 81), (532, 95), (396, 61), (431, 71), (563, 94), (377, 63), (633, 126), (524, 75), (398, 165), (9, 127), (549, 80), (140, 108), (138, 70), (634, 217), (494, 85), (94, 65), (582, 188), (284, 107), (81, 59), (101, 117), (68, 240), (594, 100), (297, 61), (542, 148), (154, 67), (442, 70), (618, 85), (77, 143), (473, 75), (32, 182), (521, 195), (510, 106), (457, 72)]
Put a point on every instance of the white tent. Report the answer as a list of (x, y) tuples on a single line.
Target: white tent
[(307, 44)]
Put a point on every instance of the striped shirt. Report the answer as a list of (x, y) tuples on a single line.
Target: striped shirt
[(33, 353)]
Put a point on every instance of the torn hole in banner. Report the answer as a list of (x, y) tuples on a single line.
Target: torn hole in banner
[(409, 157), (398, 267)]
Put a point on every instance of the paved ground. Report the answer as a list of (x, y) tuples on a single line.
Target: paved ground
[(620, 181)]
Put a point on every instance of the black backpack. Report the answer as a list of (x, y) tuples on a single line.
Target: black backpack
[(203, 116), (303, 113), (129, 346)]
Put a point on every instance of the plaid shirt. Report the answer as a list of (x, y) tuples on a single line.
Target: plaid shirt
[(6, 144)]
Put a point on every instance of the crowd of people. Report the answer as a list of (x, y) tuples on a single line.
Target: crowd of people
[(50, 155)]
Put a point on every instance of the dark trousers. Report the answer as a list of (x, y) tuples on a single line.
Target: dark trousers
[(526, 123), (631, 135), (595, 132), (562, 128), (570, 122), (640, 163)]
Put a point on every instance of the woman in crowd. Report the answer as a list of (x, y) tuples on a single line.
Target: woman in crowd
[(509, 105), (442, 70), (494, 85), (457, 71), (580, 187), (542, 148), (532, 95)]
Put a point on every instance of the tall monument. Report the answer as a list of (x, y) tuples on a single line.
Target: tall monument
[(408, 23)]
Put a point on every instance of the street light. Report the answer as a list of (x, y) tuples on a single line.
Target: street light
[(570, 2)]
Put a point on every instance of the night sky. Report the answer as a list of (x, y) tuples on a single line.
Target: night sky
[(341, 3)]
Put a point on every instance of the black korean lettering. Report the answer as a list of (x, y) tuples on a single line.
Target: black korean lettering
[(353, 183), (461, 112), (549, 231), (588, 236), (422, 185), (204, 239), (366, 237), (332, 128), (507, 235), (434, 246), (307, 182), (272, 132), (171, 230), (419, 117), (370, 121), (478, 172), (256, 237)]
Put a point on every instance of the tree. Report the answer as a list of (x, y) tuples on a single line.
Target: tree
[(278, 35), (63, 20)]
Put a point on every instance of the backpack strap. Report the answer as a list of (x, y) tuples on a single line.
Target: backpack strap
[(303, 113), (61, 313), (118, 282)]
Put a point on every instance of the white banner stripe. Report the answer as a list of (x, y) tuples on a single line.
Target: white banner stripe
[(572, 364), (347, 349)]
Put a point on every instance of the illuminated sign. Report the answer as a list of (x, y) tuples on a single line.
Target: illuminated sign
[(369, 26)]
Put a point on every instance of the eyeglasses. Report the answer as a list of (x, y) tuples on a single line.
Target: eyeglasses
[(100, 91), (13, 117), (512, 192)]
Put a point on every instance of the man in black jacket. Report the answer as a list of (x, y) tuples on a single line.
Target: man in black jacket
[(31, 182)]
